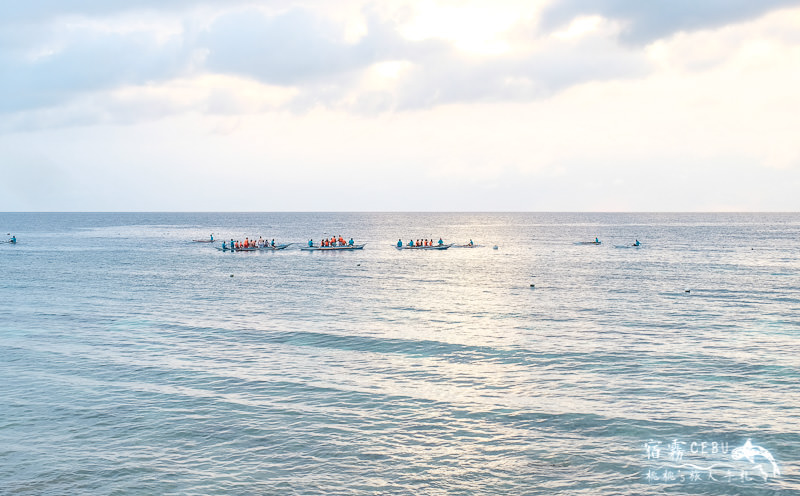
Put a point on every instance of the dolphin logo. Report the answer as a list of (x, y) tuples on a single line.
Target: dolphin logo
[(749, 452)]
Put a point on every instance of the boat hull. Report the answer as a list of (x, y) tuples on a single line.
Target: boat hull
[(333, 248), (256, 248), (438, 247)]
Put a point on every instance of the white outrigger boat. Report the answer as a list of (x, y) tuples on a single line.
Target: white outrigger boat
[(333, 248), (434, 247)]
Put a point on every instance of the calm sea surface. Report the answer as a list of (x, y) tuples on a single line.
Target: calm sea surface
[(133, 361)]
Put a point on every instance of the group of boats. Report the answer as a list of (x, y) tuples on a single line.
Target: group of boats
[(327, 244), (332, 244), (339, 244)]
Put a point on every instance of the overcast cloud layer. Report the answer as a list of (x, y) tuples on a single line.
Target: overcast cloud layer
[(560, 105)]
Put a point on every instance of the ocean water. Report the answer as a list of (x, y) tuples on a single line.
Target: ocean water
[(133, 361)]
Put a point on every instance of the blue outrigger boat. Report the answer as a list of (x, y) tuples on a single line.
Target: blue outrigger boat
[(257, 248)]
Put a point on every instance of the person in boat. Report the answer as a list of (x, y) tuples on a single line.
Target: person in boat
[(471, 243), (223, 245), (231, 245), (410, 242), (441, 242), (273, 242), (310, 243), (13, 239), (351, 242), (399, 243), (596, 240), (636, 243)]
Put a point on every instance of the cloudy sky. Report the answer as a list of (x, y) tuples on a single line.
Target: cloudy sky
[(400, 105)]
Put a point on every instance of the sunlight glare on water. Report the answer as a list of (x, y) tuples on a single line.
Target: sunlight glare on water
[(135, 361)]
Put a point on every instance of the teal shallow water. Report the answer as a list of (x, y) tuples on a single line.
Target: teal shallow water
[(132, 363)]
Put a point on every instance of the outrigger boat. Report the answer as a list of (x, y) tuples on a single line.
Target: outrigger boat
[(333, 248), (256, 248), (434, 247)]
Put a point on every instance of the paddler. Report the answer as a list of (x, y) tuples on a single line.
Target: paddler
[(636, 243), (212, 237), (13, 239), (223, 246), (596, 240), (399, 243), (471, 243), (273, 242), (441, 242), (310, 243), (411, 242), (351, 242)]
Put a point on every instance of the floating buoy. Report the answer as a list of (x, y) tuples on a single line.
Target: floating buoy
[(231, 275), (494, 247), (358, 265), (687, 291), (533, 285)]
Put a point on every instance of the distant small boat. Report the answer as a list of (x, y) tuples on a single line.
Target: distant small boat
[(468, 246), (589, 243), (435, 247), (333, 248), (204, 240)]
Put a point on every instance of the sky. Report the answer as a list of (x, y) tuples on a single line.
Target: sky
[(400, 105)]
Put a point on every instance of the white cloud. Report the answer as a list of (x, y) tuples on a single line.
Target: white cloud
[(207, 108)]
